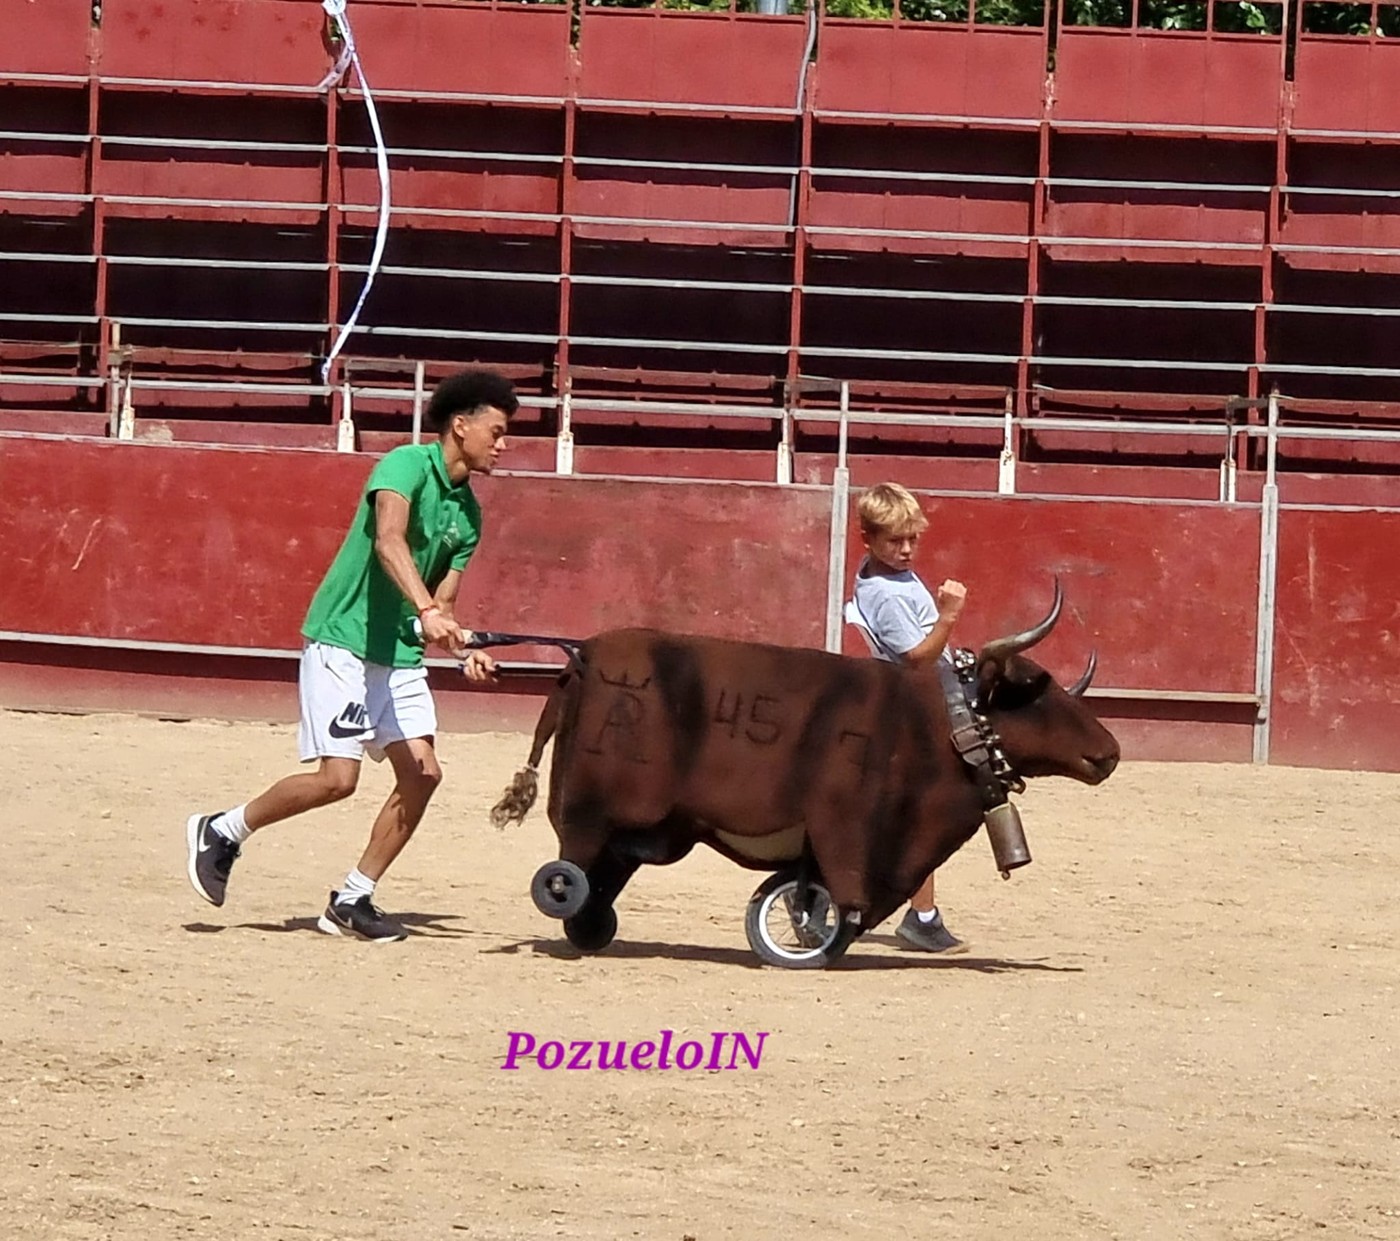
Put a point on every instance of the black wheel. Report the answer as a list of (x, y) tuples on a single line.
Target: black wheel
[(559, 889), (592, 930), (778, 937)]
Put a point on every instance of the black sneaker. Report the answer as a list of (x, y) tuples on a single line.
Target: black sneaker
[(928, 936), (211, 858), (360, 919)]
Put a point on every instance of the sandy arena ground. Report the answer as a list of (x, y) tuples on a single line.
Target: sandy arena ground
[(1178, 1022)]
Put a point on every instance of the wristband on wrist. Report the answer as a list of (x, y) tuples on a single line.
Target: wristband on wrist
[(432, 607)]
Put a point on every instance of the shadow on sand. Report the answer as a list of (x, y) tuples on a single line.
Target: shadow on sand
[(430, 926), (648, 950)]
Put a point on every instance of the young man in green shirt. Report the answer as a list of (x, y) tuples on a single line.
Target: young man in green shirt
[(362, 682)]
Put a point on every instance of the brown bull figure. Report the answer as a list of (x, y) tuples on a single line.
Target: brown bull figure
[(840, 771)]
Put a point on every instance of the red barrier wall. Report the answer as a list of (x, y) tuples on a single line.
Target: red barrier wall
[(221, 546), (731, 559), (1167, 593), (224, 546), (1336, 700)]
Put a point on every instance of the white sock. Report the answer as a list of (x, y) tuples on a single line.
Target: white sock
[(356, 886), (927, 916), (232, 826)]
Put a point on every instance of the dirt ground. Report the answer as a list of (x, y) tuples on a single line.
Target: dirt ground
[(1178, 1021)]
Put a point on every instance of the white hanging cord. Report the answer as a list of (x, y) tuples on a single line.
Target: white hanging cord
[(349, 56)]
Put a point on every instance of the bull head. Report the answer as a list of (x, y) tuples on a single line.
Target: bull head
[(1045, 730)]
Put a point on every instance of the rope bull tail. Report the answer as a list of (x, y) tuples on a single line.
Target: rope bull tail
[(520, 794)]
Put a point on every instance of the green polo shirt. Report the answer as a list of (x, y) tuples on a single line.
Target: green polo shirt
[(357, 606)]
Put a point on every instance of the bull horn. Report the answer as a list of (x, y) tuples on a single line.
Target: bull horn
[(1000, 649), (1077, 689)]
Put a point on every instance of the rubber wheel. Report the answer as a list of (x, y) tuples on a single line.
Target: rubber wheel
[(559, 889), (768, 925), (591, 931)]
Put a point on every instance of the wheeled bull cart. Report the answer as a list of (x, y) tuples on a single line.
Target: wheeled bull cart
[(790, 921), (794, 919)]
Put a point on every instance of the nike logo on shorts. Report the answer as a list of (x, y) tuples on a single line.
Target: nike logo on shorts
[(352, 722)]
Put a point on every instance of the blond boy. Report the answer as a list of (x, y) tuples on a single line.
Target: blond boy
[(907, 625)]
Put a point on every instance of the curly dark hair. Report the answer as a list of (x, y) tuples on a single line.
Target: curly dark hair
[(468, 391)]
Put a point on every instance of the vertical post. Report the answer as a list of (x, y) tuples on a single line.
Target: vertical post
[(1228, 477), (114, 377), (841, 436), (568, 185), (840, 516), (1228, 471), (107, 343), (1273, 222), (335, 219), (418, 377), (1006, 467), (126, 423), (345, 427), (1268, 577), (799, 203), (564, 443), (785, 446), (1038, 228)]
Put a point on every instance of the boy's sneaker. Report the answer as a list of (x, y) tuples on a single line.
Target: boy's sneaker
[(211, 857), (928, 936), (360, 919)]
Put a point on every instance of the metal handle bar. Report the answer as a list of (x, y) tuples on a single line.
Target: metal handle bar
[(485, 637)]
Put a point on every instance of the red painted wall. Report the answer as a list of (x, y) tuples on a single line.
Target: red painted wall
[(713, 59), (985, 72), (1337, 656), (55, 36), (1169, 78), (520, 50), (1167, 593), (224, 546), (1346, 84), (146, 39)]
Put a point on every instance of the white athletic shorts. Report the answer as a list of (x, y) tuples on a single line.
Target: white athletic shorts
[(349, 706)]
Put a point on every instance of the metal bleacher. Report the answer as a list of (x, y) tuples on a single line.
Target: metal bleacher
[(1069, 248)]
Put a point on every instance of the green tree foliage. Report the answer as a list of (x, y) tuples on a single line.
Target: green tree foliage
[(1231, 16)]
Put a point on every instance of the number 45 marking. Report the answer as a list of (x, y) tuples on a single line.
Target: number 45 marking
[(759, 725)]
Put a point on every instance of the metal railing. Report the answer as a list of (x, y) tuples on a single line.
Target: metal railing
[(123, 388), (838, 237)]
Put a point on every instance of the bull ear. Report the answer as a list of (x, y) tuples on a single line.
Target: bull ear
[(989, 673), (1077, 689)]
